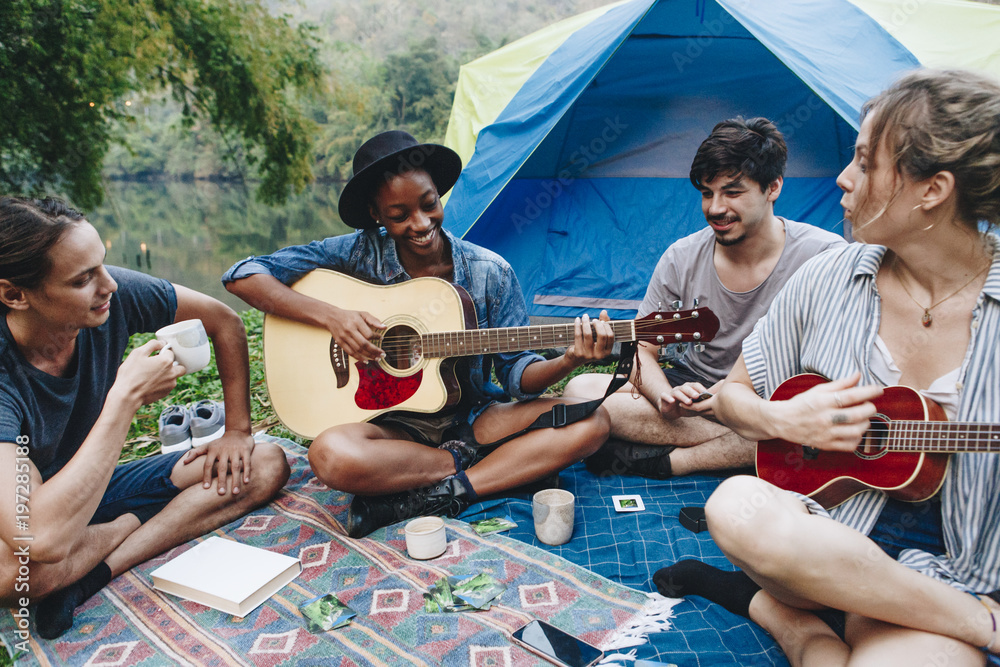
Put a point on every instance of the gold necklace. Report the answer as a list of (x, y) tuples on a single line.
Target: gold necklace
[(928, 319)]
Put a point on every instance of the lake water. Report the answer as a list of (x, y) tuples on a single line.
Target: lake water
[(190, 233)]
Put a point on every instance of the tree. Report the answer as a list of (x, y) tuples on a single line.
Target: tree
[(421, 83), (69, 68)]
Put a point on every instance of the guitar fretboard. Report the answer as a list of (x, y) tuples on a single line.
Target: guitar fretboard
[(510, 339), (943, 437)]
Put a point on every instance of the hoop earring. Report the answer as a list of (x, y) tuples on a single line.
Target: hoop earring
[(928, 227)]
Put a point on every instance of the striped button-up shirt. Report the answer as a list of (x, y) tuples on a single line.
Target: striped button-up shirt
[(825, 321)]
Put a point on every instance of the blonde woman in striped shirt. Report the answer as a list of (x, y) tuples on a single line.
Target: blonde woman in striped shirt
[(917, 303)]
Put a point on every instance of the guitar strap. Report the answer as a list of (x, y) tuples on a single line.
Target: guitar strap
[(564, 414)]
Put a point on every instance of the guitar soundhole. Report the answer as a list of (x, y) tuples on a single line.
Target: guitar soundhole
[(873, 443), (402, 347)]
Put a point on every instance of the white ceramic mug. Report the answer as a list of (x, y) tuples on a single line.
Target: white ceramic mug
[(553, 511), (425, 537), (189, 343)]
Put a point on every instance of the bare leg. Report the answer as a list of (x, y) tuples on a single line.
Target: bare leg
[(94, 545), (805, 560), (392, 466), (701, 444), (196, 510), (366, 459), (877, 643), (808, 642), (725, 452), (535, 454), (802, 635)]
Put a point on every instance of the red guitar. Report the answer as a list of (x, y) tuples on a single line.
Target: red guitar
[(314, 384), (904, 453)]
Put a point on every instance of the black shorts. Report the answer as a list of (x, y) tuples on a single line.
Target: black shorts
[(679, 374)]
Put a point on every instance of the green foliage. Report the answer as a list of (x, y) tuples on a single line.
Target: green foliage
[(391, 65), (557, 388), (411, 90), (143, 437), (72, 68), (421, 85)]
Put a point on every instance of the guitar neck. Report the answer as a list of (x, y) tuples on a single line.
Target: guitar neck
[(943, 437), (510, 339)]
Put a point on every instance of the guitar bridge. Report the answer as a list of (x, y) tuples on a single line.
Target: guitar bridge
[(338, 360)]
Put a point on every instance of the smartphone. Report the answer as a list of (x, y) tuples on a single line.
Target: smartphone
[(701, 397), (561, 647)]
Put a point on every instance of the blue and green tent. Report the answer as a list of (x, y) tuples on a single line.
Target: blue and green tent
[(578, 139)]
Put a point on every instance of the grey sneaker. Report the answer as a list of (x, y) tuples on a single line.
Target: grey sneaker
[(208, 422), (175, 429)]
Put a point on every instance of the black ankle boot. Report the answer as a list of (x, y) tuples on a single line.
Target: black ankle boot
[(621, 457), (465, 454), (369, 513)]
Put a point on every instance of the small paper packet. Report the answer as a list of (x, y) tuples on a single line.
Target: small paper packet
[(326, 612), (494, 524)]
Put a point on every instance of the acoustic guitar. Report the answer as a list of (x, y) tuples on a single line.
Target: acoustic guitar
[(314, 384), (904, 452)]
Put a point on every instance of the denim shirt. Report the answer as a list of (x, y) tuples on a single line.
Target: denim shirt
[(370, 255)]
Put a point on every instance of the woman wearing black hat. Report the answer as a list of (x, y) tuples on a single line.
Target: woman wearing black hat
[(396, 464)]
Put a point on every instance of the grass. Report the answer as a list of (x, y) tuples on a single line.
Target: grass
[(143, 437)]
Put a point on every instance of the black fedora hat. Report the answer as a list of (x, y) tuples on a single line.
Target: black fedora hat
[(387, 155)]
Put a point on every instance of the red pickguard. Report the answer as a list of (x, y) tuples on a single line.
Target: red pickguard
[(377, 390), (830, 478)]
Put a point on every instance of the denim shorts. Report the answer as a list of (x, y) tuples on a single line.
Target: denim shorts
[(140, 487), (430, 429), (901, 525)]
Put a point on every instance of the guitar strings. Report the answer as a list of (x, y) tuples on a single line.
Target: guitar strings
[(940, 437), (403, 343)]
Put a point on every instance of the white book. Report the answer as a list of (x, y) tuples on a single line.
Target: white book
[(226, 575)]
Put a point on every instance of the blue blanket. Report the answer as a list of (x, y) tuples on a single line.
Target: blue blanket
[(629, 547)]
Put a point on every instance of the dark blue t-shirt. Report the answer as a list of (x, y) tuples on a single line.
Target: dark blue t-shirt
[(57, 413)]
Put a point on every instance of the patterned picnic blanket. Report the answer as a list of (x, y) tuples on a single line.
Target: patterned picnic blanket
[(629, 547), (130, 623)]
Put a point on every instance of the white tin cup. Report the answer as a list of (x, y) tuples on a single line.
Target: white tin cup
[(426, 538), (189, 343), (553, 510)]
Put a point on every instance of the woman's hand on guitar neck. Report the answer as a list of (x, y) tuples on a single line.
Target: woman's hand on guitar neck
[(592, 340), (354, 330), (833, 415)]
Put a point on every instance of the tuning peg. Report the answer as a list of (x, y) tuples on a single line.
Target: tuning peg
[(694, 302), (677, 305), (699, 347)]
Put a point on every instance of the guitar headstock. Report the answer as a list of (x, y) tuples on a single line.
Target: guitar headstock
[(698, 325)]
